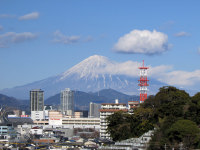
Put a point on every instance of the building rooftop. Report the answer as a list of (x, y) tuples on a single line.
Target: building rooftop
[(113, 110), (113, 104)]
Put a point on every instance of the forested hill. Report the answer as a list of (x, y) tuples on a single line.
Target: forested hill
[(173, 114)]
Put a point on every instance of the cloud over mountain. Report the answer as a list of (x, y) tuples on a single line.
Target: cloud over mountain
[(98, 72), (142, 42)]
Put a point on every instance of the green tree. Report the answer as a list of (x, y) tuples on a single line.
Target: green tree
[(122, 125), (185, 131), (170, 101), (193, 112), (119, 126)]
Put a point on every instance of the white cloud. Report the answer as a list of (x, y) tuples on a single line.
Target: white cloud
[(30, 16), (142, 42), (158, 71), (61, 38), (181, 34), (12, 37), (182, 78)]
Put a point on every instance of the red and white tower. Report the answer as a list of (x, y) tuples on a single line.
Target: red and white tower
[(143, 83)]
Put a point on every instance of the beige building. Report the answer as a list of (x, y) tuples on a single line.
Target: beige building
[(55, 117), (78, 114)]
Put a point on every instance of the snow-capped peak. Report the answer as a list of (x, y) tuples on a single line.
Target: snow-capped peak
[(90, 67)]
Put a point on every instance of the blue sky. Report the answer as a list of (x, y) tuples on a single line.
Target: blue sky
[(39, 39)]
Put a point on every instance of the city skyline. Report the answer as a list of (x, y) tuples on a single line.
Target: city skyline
[(42, 39)]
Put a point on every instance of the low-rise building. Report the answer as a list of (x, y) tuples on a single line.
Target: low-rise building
[(82, 122)]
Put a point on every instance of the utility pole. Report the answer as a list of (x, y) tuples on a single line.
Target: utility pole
[(165, 146)]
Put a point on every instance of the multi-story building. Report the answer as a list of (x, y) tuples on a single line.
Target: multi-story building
[(67, 102), (106, 110), (94, 110), (37, 104), (7, 132)]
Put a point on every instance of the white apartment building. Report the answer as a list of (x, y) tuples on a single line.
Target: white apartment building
[(67, 102), (106, 110)]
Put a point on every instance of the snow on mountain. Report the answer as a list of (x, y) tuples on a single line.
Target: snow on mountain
[(92, 74), (91, 67)]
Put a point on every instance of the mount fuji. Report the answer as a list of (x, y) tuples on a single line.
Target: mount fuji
[(90, 75)]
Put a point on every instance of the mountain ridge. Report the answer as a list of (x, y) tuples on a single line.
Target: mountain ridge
[(90, 75), (82, 99)]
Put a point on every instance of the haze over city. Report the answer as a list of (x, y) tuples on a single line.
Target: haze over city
[(40, 39)]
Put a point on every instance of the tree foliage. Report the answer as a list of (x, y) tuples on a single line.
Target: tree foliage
[(193, 112), (185, 131), (119, 126), (169, 108)]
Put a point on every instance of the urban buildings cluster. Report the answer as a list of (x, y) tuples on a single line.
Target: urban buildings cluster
[(45, 115), (45, 122)]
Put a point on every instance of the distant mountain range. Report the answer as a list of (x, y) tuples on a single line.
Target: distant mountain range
[(6, 101), (90, 75), (81, 99)]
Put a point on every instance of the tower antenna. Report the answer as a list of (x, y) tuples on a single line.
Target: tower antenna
[(143, 83)]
